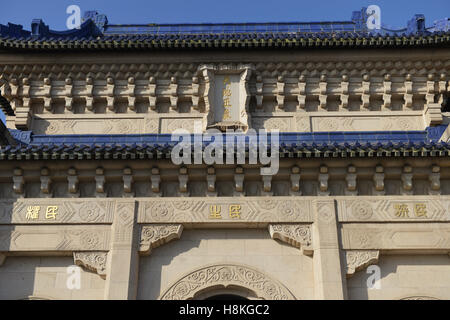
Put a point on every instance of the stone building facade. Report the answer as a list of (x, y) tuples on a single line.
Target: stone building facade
[(87, 179)]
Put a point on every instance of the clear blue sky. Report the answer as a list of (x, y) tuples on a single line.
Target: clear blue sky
[(394, 13)]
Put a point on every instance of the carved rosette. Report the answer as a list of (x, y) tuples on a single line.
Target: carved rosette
[(92, 261), (357, 260), (297, 235), (225, 275), (153, 236)]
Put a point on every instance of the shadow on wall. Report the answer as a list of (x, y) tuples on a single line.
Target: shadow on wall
[(17, 276), (403, 276)]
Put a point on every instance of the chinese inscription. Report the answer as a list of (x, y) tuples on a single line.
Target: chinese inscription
[(226, 96), (234, 211), (33, 212), (402, 210)]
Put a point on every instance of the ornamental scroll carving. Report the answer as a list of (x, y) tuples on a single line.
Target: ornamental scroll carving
[(225, 275), (92, 261), (297, 235), (357, 260), (420, 298), (153, 236)]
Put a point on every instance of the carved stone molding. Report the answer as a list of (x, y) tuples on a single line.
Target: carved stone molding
[(252, 209), (225, 275), (92, 261), (297, 235), (395, 236), (54, 238), (73, 211), (405, 209), (357, 260), (153, 236), (420, 298)]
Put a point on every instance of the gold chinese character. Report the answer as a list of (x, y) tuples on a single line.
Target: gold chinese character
[(226, 114), (51, 212), (226, 92), (214, 212), (226, 102), (226, 80), (420, 209), (401, 210), (235, 211), (33, 212)]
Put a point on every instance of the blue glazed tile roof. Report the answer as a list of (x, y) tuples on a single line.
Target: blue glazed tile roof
[(157, 146), (97, 33)]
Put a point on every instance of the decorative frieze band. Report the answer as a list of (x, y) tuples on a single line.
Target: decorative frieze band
[(357, 260), (297, 235), (153, 236), (92, 261), (56, 211), (395, 236), (235, 210), (404, 209), (54, 238), (283, 209)]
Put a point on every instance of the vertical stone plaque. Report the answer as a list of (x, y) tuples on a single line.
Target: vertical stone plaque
[(226, 96)]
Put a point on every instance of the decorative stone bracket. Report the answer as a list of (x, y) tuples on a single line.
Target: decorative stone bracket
[(297, 235), (357, 260), (155, 235), (2, 258), (92, 261)]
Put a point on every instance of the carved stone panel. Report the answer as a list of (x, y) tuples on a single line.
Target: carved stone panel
[(84, 125), (225, 210), (227, 95), (393, 236), (56, 211), (54, 238), (403, 209), (225, 275), (284, 124), (169, 125), (368, 122)]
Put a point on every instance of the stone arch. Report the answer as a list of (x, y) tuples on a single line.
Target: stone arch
[(227, 275), (419, 298)]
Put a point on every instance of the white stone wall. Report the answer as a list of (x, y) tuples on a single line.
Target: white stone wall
[(405, 276), (45, 278), (250, 247)]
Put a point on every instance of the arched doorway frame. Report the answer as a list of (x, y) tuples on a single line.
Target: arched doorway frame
[(226, 276)]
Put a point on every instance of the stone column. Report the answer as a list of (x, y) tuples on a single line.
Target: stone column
[(329, 281), (123, 258)]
